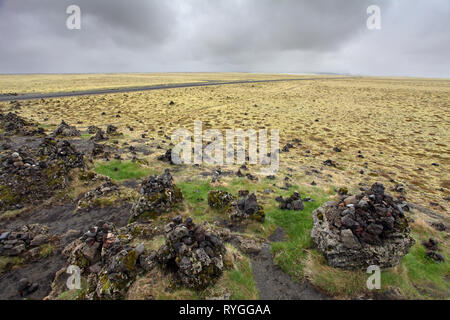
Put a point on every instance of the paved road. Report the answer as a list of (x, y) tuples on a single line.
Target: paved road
[(34, 96)]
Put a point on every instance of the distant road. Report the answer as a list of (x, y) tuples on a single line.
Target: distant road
[(34, 96)]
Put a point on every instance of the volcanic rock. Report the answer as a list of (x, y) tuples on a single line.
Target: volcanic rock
[(15, 125), (194, 254), (294, 202), (66, 130), (247, 208), (157, 195), (363, 230), (219, 199)]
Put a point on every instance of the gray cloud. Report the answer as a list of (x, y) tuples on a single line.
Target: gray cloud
[(226, 35)]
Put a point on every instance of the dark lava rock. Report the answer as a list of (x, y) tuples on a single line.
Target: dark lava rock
[(435, 256), (157, 195), (329, 163), (99, 136), (111, 130), (363, 230), (12, 124), (107, 260), (93, 129), (294, 202), (194, 254), (29, 176), (247, 208), (66, 130), (166, 157), (439, 226)]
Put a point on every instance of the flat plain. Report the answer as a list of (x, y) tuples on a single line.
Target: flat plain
[(389, 130)]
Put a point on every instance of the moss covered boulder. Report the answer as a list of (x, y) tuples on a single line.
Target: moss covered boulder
[(157, 195), (220, 200)]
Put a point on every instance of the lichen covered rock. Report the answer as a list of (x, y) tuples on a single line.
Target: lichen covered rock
[(363, 230), (108, 260), (158, 194), (219, 199), (194, 254)]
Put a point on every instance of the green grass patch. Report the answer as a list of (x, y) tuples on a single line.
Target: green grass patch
[(122, 170), (290, 255), (195, 192), (419, 277), (416, 277), (237, 281)]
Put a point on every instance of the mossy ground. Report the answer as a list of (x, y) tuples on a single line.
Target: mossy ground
[(395, 123), (122, 170)]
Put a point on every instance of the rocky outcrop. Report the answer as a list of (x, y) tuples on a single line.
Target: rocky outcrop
[(192, 253), (158, 194), (363, 230)]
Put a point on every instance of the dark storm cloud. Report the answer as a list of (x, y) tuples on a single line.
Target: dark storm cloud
[(226, 35)]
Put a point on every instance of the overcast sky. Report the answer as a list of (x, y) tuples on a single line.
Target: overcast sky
[(277, 36)]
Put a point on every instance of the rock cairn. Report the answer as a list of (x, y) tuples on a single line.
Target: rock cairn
[(192, 253), (158, 194), (29, 176), (66, 130), (245, 208), (294, 202), (91, 198), (220, 200), (432, 248), (248, 208), (15, 125), (24, 241), (106, 258), (363, 230), (62, 152)]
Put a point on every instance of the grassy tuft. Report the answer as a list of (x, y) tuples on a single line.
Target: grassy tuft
[(122, 170)]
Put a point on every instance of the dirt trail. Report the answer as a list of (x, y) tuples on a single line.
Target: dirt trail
[(61, 219), (273, 283)]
